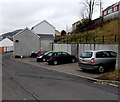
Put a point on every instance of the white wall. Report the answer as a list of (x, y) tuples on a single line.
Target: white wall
[(44, 28), (8, 48)]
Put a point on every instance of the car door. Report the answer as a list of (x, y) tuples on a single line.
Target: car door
[(104, 58), (66, 57), (59, 57)]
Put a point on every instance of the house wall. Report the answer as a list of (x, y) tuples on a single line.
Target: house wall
[(27, 42), (44, 28), (111, 12)]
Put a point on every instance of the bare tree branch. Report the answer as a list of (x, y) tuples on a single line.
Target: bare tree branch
[(89, 6)]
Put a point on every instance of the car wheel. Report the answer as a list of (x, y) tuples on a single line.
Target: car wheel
[(44, 59), (101, 69), (73, 60), (55, 62)]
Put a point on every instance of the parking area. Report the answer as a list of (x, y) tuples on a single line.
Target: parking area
[(70, 68)]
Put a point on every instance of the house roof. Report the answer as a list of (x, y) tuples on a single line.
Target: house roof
[(10, 38), (112, 6), (24, 30), (41, 23), (48, 36)]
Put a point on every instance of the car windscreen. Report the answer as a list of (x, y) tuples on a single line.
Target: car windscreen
[(50, 54), (86, 54)]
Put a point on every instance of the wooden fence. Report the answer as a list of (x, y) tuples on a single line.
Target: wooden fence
[(107, 39)]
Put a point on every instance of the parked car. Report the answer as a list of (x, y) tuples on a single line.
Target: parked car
[(98, 60), (42, 58), (41, 53), (60, 57), (35, 54)]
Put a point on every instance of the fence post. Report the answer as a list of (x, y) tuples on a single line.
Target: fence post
[(115, 38), (80, 39), (86, 40), (94, 39), (71, 40), (103, 39)]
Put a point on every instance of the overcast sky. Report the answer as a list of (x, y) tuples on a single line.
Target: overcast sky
[(18, 14)]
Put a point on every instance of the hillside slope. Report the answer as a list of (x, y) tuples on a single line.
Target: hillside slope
[(107, 28), (107, 32)]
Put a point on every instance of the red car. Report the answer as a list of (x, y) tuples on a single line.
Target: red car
[(41, 53)]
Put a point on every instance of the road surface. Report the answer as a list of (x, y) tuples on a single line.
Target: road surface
[(26, 82)]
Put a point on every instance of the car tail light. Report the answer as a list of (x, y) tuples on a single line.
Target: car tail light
[(92, 60)]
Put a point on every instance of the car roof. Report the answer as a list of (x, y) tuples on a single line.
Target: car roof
[(97, 50)]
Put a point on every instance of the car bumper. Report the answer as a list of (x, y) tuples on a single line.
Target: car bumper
[(88, 66), (39, 59)]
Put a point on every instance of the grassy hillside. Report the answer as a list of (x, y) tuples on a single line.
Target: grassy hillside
[(107, 29)]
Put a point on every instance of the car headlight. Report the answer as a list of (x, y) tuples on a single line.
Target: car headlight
[(39, 57)]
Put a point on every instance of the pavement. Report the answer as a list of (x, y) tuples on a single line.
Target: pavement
[(70, 68)]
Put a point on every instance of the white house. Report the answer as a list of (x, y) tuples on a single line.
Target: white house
[(25, 42), (44, 28), (46, 32), (6, 45)]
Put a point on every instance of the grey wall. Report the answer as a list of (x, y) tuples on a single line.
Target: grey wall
[(46, 44), (76, 49), (28, 42), (62, 47)]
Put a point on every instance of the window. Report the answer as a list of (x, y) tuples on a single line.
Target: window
[(110, 11), (16, 41), (105, 12), (64, 53), (50, 54), (116, 8), (104, 54), (59, 53), (86, 55), (113, 54)]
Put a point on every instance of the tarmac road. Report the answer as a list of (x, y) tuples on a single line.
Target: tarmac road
[(26, 82)]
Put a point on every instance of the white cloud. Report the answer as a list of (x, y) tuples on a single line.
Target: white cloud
[(15, 14)]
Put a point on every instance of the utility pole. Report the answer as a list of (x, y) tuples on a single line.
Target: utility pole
[(100, 8)]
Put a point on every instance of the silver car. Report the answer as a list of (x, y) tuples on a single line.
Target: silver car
[(98, 60)]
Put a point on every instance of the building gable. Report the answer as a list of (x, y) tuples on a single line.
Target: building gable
[(6, 42), (44, 28), (25, 32)]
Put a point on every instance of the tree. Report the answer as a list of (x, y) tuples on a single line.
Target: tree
[(63, 33), (89, 6)]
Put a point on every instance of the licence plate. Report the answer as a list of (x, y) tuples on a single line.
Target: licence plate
[(83, 61)]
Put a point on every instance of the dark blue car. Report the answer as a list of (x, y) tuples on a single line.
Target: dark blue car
[(42, 58)]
